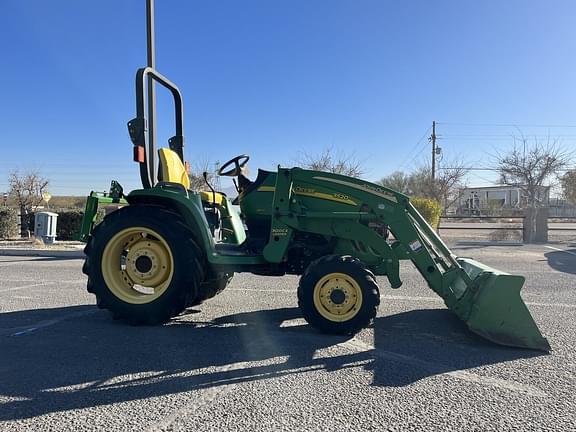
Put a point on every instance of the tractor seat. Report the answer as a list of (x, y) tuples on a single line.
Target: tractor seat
[(172, 170)]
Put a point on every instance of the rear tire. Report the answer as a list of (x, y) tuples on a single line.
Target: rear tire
[(338, 295), (143, 265)]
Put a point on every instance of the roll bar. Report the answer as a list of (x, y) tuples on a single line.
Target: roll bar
[(140, 127)]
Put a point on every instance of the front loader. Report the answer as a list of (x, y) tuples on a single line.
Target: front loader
[(169, 247)]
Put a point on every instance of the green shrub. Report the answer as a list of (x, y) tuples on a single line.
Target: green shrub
[(70, 222), (68, 225), (8, 223), (430, 209)]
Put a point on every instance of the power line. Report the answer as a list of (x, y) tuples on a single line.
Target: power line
[(470, 168), (410, 154), (507, 136), (506, 125), (483, 178), (491, 169)]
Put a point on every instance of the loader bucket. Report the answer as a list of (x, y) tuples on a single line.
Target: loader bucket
[(491, 306)]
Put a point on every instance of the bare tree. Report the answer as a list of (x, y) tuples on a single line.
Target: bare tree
[(445, 188), (330, 161), (531, 168), (398, 181), (27, 189), (568, 181), (196, 176)]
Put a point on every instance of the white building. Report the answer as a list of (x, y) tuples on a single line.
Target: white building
[(498, 197)]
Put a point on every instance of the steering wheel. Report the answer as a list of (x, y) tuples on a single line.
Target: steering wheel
[(239, 163)]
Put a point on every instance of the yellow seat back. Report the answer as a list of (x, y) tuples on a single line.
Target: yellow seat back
[(172, 168), (210, 196)]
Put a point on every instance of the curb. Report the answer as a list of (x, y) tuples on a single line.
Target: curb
[(44, 253), (487, 243)]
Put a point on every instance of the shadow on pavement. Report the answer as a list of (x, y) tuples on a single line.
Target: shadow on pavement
[(91, 360), (562, 261)]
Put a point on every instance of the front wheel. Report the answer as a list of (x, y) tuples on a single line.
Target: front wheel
[(143, 264), (338, 295)]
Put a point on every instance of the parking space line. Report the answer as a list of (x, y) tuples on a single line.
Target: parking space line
[(260, 290), (407, 298), (46, 323), (357, 345), (561, 250), (561, 305), (26, 286), (415, 298), (210, 394), (46, 281), (439, 300)]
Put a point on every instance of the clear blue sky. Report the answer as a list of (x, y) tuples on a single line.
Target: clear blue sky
[(274, 79)]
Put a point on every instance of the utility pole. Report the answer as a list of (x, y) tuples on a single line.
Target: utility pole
[(433, 140)]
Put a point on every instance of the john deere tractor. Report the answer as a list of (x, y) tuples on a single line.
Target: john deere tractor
[(168, 247)]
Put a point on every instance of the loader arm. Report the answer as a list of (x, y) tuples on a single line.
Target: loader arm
[(486, 299), (414, 238)]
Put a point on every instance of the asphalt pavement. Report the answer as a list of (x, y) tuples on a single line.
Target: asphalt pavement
[(246, 360)]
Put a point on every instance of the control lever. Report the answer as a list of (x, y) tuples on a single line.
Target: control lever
[(205, 175)]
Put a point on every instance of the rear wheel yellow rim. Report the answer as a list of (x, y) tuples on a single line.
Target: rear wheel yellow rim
[(137, 265), (337, 297)]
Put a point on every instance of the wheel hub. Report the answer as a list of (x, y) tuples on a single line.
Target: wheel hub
[(143, 264), (337, 297), (146, 263), (137, 265)]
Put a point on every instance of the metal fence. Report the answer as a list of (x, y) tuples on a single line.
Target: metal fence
[(507, 228)]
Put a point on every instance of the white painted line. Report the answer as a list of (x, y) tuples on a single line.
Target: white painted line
[(410, 298), (25, 286), (47, 323), (12, 399), (28, 330), (357, 345), (387, 297), (83, 281), (561, 250), (206, 395), (260, 290), (561, 305), (416, 298)]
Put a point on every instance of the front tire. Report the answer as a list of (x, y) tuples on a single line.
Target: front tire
[(143, 265), (338, 295)]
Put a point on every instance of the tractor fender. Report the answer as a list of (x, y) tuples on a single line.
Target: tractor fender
[(189, 207)]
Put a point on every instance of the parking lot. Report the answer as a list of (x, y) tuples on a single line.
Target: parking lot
[(245, 360)]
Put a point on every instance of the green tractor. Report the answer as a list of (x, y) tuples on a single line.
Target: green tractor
[(168, 247)]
